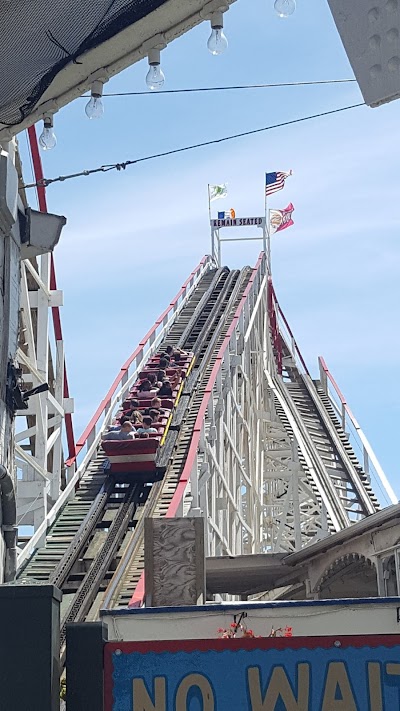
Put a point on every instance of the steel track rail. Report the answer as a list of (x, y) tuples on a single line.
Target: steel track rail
[(283, 417), (67, 526), (204, 316), (362, 489), (315, 465), (89, 587), (331, 466), (81, 537), (123, 583), (186, 337), (73, 526), (215, 315)]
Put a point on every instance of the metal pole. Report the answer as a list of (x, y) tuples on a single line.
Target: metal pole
[(209, 220), (267, 242), (267, 237), (213, 243)]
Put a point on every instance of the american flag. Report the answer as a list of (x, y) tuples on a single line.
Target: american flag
[(275, 181)]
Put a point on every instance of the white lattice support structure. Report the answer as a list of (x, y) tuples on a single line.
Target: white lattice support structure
[(40, 428), (246, 479), (87, 445)]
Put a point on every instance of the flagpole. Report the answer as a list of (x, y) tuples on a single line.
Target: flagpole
[(269, 242), (268, 250), (209, 222)]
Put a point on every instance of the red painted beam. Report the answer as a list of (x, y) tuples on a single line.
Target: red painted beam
[(138, 596), (114, 387), (41, 193)]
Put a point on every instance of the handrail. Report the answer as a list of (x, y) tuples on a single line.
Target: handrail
[(138, 596), (274, 307), (109, 403), (343, 401), (105, 403), (370, 461), (364, 499), (326, 375), (274, 327), (191, 456)]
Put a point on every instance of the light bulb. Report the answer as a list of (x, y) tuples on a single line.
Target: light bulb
[(47, 139), (217, 42), (155, 77), (285, 8), (94, 108)]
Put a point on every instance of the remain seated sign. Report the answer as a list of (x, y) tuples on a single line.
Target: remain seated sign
[(281, 674)]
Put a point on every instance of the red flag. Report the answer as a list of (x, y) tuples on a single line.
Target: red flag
[(281, 219)]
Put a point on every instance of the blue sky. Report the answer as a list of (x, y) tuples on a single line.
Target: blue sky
[(133, 237)]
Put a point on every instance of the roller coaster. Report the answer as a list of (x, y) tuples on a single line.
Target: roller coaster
[(264, 453), (269, 456)]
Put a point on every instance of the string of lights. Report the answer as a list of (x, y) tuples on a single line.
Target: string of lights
[(94, 108), (285, 8), (122, 166), (155, 78), (240, 87), (217, 44)]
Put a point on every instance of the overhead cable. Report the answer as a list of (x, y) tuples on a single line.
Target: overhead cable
[(121, 166), (227, 88)]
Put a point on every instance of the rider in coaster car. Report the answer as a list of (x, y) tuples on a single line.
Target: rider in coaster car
[(175, 353), (154, 414), (119, 422), (127, 431), (146, 390), (146, 427), (156, 405), (136, 417), (165, 390)]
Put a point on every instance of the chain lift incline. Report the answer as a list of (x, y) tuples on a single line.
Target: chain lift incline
[(271, 458)]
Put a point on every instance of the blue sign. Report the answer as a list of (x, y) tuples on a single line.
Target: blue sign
[(297, 674)]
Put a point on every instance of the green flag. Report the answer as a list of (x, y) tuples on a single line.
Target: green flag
[(217, 191)]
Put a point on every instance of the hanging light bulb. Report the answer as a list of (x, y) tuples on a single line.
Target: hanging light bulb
[(285, 8), (217, 42), (47, 139), (94, 108), (155, 76)]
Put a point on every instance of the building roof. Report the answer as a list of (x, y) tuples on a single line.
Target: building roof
[(250, 574), (370, 523)]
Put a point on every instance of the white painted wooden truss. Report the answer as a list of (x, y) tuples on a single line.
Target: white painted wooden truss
[(246, 479), (87, 446), (39, 429)]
